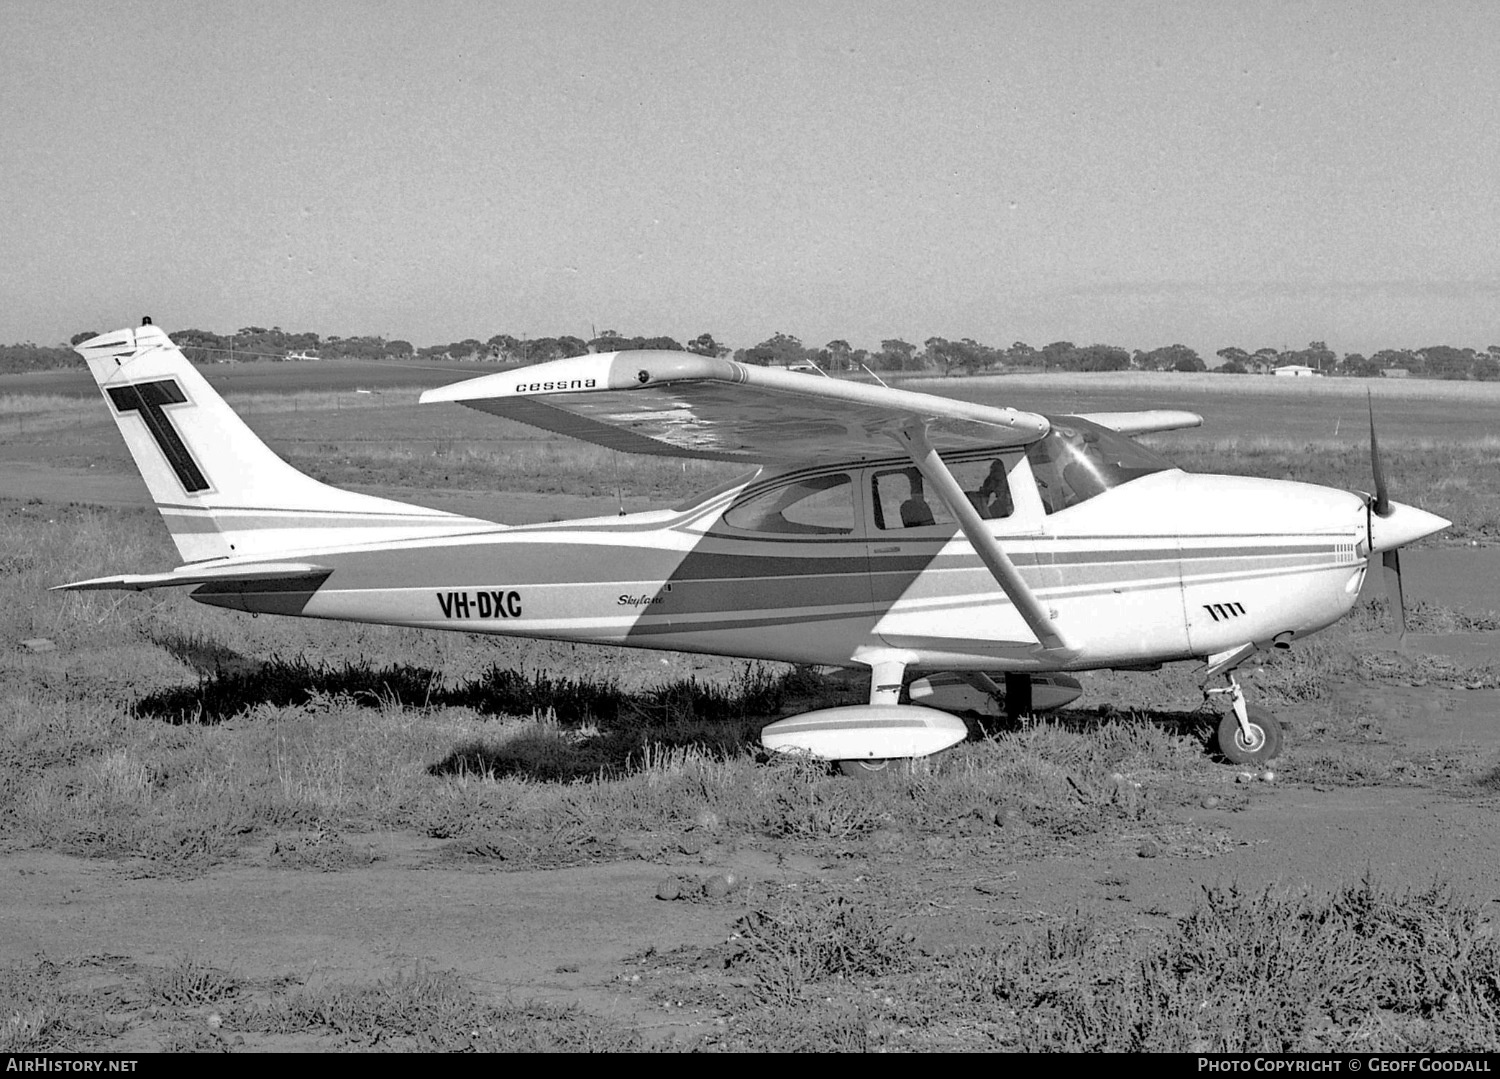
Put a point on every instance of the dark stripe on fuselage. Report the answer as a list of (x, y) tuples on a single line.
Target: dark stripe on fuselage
[(519, 562)]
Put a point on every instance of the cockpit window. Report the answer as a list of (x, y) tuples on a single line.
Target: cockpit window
[(1079, 459), (902, 499), (818, 505)]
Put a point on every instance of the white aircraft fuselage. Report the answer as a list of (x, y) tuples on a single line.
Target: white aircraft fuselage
[(1201, 565)]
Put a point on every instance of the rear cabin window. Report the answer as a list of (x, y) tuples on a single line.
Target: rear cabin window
[(1079, 459), (819, 505), (902, 499)]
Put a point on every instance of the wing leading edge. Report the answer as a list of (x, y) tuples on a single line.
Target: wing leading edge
[(679, 404)]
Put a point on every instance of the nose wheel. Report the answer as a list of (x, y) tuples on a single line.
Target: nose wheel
[(1255, 741), (1248, 733)]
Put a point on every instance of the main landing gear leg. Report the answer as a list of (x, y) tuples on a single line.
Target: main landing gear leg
[(885, 688), (1247, 734)]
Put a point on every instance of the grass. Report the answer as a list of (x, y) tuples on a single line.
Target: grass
[(1359, 968), (1248, 971), (167, 739), (1362, 968), (1210, 384), (420, 1010)]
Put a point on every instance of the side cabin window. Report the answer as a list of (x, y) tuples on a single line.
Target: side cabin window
[(902, 500), (1079, 459), (817, 505)]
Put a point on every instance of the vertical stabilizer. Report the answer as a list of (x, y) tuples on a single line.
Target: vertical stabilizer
[(222, 491)]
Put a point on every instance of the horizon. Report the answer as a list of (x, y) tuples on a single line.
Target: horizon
[(1150, 172)]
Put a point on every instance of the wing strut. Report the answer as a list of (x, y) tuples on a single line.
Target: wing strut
[(914, 439)]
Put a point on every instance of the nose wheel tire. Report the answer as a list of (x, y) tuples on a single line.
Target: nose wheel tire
[(1263, 744), (865, 768)]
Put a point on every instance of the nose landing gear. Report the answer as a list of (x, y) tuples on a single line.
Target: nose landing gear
[(1248, 733)]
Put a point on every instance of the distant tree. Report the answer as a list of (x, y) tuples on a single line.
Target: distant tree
[(610, 341), (1056, 354), (1171, 358), (1234, 355), (1486, 368), (1020, 354), (544, 349), (705, 345), (467, 349), (1444, 361), (1231, 367), (504, 348), (1098, 358), (966, 354), (32, 357), (201, 346), (84, 336), (1395, 357), (780, 348), (839, 355), (940, 353), (896, 355), (1319, 357)]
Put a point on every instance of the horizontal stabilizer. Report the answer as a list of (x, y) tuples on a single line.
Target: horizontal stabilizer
[(1144, 423), (186, 575)]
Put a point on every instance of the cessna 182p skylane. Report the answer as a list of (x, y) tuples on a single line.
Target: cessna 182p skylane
[(912, 534)]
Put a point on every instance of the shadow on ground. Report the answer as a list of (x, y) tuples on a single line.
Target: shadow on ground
[(583, 727)]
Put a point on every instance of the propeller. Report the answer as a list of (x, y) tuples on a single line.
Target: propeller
[(1380, 506)]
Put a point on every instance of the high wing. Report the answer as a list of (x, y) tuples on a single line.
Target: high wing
[(684, 405), (679, 404)]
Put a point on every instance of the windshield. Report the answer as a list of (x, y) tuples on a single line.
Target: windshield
[(1079, 459)]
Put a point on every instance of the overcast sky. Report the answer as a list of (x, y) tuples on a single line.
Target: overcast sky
[(1132, 173)]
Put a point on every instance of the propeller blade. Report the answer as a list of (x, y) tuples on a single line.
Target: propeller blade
[(1394, 593), (1382, 504)]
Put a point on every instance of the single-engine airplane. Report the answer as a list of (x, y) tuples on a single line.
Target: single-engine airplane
[(969, 549)]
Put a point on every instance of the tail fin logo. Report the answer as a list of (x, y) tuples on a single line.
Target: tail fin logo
[(150, 400)]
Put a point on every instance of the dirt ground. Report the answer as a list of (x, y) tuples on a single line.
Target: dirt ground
[(587, 936)]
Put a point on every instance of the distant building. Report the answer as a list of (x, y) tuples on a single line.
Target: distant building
[(1296, 370), (310, 354), (1394, 372)]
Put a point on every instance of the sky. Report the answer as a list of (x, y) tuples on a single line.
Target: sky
[(1131, 173)]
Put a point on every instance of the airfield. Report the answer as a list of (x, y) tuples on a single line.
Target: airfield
[(224, 832)]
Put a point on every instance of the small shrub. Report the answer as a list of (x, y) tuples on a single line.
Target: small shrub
[(802, 943), (191, 983)]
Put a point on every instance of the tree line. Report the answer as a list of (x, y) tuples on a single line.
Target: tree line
[(936, 355)]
